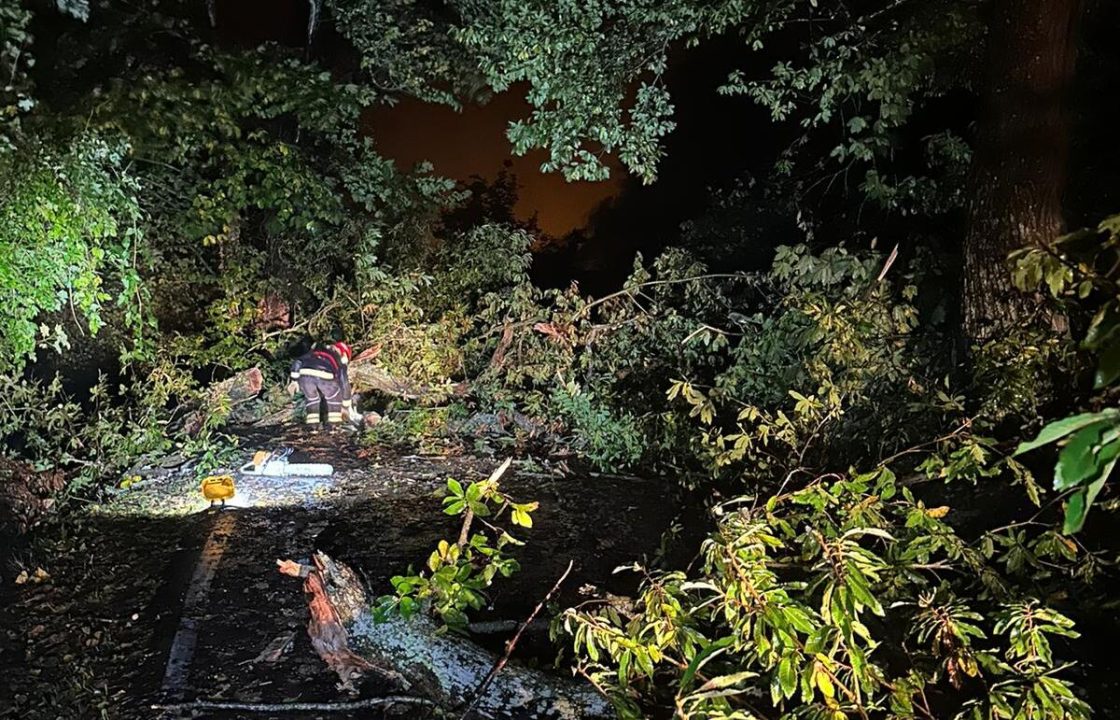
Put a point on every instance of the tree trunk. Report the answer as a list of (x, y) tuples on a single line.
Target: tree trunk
[(1019, 170), (233, 393), (366, 375), (441, 667)]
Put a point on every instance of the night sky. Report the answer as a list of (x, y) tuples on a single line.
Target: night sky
[(717, 140), (473, 143)]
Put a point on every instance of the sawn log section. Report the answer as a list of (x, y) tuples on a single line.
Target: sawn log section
[(441, 667)]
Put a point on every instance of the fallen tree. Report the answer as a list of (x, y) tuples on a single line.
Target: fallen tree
[(367, 376), (232, 394), (445, 668)]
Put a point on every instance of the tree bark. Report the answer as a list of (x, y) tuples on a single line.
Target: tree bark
[(233, 393), (442, 667), (1019, 170), (365, 376)]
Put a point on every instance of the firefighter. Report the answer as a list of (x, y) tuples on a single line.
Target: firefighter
[(321, 376)]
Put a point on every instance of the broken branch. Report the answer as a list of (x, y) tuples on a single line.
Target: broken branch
[(497, 668), (296, 706)]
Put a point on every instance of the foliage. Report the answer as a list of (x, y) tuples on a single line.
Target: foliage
[(1083, 265), (100, 434), (842, 595), (810, 320), (69, 237), (249, 179), (15, 97), (405, 48), (421, 430), (459, 573), (750, 621), (607, 95), (607, 440), (863, 78), (90, 440), (832, 592), (484, 261), (245, 212)]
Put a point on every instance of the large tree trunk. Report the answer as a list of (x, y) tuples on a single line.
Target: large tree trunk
[(366, 375), (1019, 170), (441, 667), (235, 393)]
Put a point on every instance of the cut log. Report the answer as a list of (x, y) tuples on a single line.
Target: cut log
[(329, 638), (445, 668), (233, 393), (365, 376)]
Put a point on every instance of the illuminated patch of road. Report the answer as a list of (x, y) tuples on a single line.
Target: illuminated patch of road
[(186, 637)]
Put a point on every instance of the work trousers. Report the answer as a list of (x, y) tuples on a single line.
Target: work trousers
[(318, 392)]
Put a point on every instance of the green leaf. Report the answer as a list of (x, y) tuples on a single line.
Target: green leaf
[(454, 487), (702, 657), (1060, 428), (725, 681), (857, 583), (1078, 460), (787, 676), (1082, 500), (624, 668), (1076, 509), (1108, 366)]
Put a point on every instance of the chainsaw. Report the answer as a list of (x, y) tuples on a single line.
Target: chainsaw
[(275, 464)]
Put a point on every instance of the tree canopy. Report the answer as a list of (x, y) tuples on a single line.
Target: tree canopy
[(839, 397)]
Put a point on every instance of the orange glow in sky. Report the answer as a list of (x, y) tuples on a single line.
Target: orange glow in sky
[(473, 142)]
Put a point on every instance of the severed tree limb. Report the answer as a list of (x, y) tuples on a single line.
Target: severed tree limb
[(327, 633), (497, 668), (446, 668), (296, 706)]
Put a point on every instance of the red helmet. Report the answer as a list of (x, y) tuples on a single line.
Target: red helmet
[(343, 350)]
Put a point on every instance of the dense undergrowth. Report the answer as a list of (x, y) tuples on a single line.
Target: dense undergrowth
[(876, 548), (812, 406)]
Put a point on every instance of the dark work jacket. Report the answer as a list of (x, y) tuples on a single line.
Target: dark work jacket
[(325, 365)]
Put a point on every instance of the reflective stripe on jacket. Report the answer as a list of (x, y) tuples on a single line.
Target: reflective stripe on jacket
[(326, 365)]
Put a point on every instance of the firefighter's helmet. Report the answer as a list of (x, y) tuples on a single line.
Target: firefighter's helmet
[(343, 350)]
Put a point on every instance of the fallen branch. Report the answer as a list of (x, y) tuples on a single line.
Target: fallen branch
[(296, 706), (366, 376), (497, 668), (328, 636), (444, 667)]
